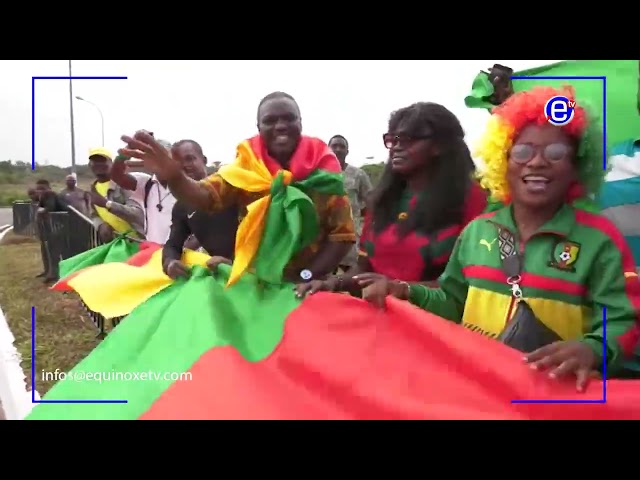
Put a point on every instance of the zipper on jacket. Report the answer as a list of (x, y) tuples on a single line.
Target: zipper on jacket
[(514, 283), (516, 291)]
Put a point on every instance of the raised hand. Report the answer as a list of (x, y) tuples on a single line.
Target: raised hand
[(155, 156)]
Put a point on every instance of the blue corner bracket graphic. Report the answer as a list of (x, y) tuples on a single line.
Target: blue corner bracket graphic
[(33, 371), (33, 309)]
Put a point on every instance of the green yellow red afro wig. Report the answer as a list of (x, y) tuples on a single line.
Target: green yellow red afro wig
[(526, 108)]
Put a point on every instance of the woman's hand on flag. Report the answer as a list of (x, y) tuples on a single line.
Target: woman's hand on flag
[(376, 287), (155, 156), (563, 359)]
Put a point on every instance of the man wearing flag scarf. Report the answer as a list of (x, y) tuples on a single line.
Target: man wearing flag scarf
[(298, 222)]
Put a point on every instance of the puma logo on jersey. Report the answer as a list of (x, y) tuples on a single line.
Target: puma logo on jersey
[(487, 244)]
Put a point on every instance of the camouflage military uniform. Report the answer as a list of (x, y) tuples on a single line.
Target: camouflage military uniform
[(358, 186)]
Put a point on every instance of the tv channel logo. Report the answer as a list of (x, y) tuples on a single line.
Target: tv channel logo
[(559, 110)]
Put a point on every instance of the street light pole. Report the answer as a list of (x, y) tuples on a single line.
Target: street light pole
[(73, 134), (99, 111)]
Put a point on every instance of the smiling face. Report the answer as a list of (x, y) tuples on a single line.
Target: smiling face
[(280, 127), (541, 168), (193, 162)]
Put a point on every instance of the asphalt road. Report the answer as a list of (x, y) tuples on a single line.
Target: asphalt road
[(6, 216)]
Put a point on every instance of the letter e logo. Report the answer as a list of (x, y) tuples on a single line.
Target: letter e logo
[(559, 110)]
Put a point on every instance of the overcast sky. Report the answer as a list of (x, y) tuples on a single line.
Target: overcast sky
[(214, 101)]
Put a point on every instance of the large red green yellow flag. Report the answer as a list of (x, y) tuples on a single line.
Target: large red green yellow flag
[(199, 350), (623, 94)]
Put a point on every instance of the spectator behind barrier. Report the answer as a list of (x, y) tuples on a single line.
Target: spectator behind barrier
[(76, 197), (50, 248), (113, 208)]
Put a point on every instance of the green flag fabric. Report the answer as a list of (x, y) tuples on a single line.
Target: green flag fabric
[(167, 334), (118, 250), (285, 232), (622, 78)]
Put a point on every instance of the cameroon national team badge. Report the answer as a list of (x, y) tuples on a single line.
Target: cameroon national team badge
[(564, 255)]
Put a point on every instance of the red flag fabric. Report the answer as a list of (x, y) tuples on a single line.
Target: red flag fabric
[(340, 358)]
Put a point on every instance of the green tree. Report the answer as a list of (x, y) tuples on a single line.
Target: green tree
[(16, 177), (374, 170)]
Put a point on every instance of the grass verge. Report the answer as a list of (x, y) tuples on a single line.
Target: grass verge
[(64, 335)]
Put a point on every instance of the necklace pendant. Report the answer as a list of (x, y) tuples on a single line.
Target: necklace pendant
[(159, 207)]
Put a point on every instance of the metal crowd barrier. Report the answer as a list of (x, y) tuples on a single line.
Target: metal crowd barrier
[(62, 235), (24, 215)]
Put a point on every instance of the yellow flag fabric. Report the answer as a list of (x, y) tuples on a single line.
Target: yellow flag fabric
[(115, 222), (115, 289), (249, 173)]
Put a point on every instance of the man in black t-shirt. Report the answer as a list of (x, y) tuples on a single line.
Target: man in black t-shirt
[(214, 233), (51, 235), (49, 201)]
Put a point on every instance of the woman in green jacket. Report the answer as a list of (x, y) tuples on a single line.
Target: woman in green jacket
[(539, 273)]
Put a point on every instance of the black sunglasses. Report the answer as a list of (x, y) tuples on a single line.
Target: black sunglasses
[(390, 140), (554, 152)]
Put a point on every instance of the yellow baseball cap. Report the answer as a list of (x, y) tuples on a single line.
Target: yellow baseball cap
[(101, 152)]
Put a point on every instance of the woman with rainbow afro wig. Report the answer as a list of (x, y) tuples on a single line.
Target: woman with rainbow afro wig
[(537, 272), (526, 108)]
